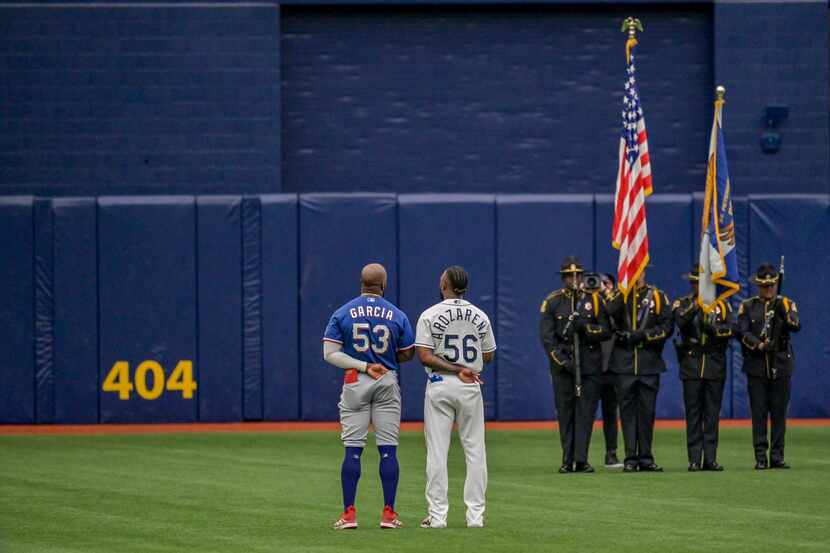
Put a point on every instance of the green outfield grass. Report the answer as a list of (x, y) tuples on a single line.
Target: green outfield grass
[(281, 492)]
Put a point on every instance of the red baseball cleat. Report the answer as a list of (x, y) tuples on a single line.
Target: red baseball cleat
[(348, 520), (389, 519)]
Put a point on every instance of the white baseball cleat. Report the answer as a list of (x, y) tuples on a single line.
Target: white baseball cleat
[(347, 520), (477, 524), (430, 522)]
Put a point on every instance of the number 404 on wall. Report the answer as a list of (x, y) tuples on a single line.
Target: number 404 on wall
[(180, 380)]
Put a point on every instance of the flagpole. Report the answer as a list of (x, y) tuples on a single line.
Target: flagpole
[(720, 93), (717, 204), (709, 204)]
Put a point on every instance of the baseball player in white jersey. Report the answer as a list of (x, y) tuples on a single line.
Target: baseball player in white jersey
[(454, 339)]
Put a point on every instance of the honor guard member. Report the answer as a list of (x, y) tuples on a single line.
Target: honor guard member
[(701, 354), (764, 326), (572, 326), (608, 395), (642, 323)]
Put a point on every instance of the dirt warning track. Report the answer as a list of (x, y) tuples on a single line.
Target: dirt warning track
[(173, 428)]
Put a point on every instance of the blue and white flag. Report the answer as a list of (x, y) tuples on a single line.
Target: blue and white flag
[(718, 254)]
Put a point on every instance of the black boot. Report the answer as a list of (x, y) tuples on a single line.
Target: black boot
[(611, 460), (583, 467)]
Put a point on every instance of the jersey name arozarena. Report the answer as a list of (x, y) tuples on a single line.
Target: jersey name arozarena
[(453, 314), (371, 311)]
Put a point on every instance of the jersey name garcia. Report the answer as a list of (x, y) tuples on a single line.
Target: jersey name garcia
[(458, 331), (371, 329)]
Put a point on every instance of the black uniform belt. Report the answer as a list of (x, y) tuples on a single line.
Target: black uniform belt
[(704, 350)]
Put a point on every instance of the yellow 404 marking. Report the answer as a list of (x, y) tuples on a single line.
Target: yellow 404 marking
[(180, 380)]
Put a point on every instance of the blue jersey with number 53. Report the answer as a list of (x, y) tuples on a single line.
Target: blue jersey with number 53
[(371, 329)]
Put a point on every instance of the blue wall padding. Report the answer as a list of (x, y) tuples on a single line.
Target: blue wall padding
[(17, 371), (244, 287), (280, 308), (605, 256), (535, 232), (251, 309), (147, 283), (44, 313), (219, 254), (437, 231), (799, 228), (740, 399), (339, 234), (76, 310)]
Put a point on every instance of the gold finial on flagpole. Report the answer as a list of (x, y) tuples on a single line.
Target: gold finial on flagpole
[(632, 25), (720, 92)]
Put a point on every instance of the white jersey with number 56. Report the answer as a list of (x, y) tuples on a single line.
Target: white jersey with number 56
[(458, 331)]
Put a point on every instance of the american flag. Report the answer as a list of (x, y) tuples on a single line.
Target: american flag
[(629, 234)]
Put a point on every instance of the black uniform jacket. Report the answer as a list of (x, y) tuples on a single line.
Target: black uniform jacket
[(772, 321), (643, 323), (565, 312), (704, 338)]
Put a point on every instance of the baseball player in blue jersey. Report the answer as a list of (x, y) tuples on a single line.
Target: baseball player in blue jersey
[(368, 337)]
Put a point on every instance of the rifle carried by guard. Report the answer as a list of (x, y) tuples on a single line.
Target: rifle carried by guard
[(770, 332)]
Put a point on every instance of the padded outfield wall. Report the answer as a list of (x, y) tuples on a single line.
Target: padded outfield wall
[(161, 166), (212, 308)]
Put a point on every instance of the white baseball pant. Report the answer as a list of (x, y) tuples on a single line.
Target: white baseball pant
[(450, 400)]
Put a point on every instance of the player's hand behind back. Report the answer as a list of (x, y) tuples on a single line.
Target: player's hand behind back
[(469, 376), (376, 370)]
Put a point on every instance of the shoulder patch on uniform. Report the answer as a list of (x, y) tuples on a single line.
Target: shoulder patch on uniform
[(549, 297)]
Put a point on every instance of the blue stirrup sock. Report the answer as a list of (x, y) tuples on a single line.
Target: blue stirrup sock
[(389, 473), (350, 474)]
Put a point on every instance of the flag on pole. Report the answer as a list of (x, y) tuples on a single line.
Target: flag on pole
[(629, 234), (718, 255)]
